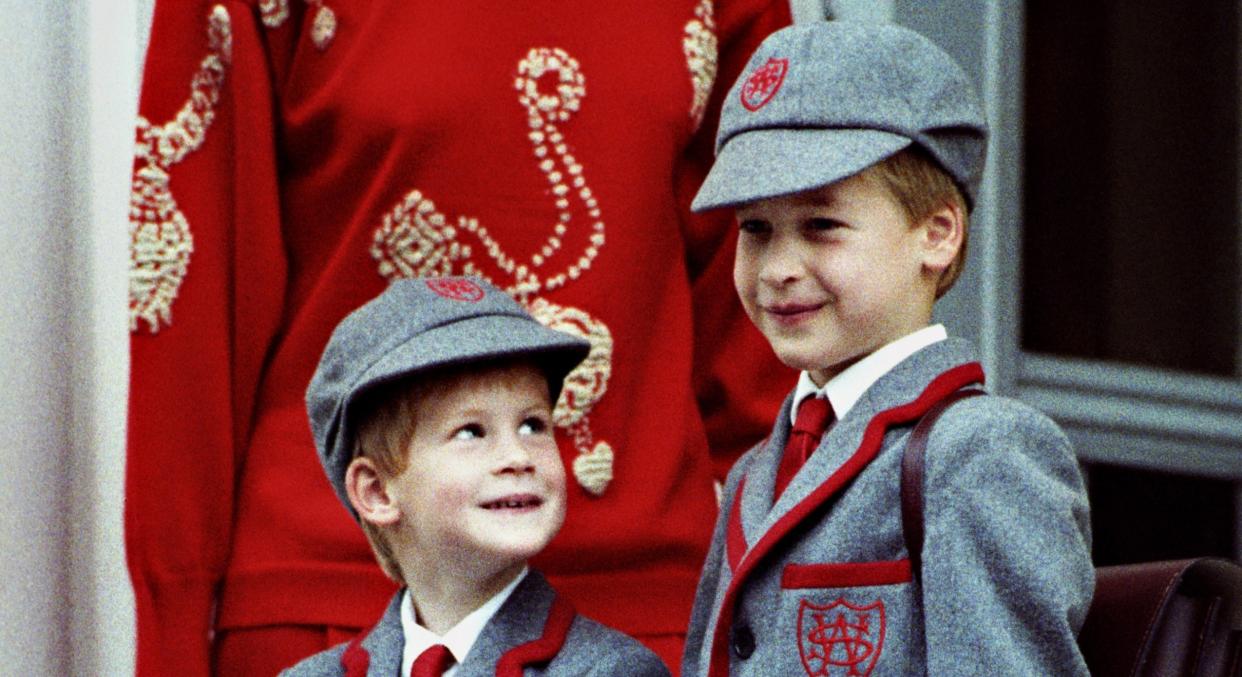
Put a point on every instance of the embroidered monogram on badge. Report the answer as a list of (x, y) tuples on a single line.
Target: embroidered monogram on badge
[(763, 84), (457, 290), (840, 639)]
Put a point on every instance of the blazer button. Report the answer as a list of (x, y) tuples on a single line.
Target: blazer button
[(743, 641)]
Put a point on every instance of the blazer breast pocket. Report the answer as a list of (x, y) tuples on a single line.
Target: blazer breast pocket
[(845, 574), (849, 617)]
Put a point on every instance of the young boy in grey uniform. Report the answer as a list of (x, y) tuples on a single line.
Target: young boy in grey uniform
[(431, 410), (852, 155)]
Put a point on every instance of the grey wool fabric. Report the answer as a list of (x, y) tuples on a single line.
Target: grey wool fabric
[(1006, 577), (590, 649), (415, 326), (821, 101)]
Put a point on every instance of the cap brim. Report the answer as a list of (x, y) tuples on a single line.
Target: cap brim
[(475, 339), (764, 163), (478, 339)]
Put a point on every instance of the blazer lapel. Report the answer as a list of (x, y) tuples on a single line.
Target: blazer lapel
[(380, 651), (924, 377), (844, 440), (898, 397), (754, 501), (519, 620)]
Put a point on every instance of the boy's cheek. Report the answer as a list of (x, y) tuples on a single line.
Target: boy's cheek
[(744, 279)]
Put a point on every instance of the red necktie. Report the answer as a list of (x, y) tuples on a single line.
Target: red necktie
[(814, 417), (432, 662)]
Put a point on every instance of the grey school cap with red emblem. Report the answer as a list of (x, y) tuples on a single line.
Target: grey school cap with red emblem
[(823, 100), (414, 326)]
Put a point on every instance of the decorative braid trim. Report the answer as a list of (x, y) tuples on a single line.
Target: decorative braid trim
[(700, 47), (159, 234), (416, 239), (323, 27), (273, 12)]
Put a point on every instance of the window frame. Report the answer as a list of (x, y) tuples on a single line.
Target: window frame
[(1128, 415)]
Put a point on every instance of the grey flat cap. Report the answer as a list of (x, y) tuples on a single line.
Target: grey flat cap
[(822, 101), (414, 326)]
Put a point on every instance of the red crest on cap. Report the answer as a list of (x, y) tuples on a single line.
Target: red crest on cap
[(457, 290), (763, 84)]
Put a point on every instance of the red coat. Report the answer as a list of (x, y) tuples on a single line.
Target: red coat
[(293, 155)]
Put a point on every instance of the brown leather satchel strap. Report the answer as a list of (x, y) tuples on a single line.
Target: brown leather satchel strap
[(912, 477)]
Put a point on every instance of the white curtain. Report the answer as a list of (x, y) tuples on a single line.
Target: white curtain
[(67, 104)]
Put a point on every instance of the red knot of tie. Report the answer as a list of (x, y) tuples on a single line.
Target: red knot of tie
[(814, 417), (432, 662)]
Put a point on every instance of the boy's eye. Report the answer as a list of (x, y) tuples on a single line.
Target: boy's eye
[(753, 226), (533, 426), (822, 224), (469, 431)]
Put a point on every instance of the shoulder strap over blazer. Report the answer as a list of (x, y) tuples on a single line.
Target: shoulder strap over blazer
[(912, 468)]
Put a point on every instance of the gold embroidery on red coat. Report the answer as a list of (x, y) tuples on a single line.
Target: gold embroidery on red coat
[(273, 12), (323, 25), (159, 234), (416, 239), (699, 45)]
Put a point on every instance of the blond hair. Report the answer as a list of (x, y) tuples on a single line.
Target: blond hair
[(921, 186), (388, 419)]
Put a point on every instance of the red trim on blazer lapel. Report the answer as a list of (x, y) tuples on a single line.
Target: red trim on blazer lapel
[(356, 659), (873, 437), (541, 650), (735, 538)]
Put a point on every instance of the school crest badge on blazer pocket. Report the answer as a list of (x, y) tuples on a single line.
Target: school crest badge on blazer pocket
[(840, 639)]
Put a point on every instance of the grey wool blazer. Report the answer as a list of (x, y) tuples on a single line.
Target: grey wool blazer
[(820, 583), (535, 633)]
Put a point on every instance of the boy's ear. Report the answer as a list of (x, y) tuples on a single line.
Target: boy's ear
[(368, 493), (942, 233)]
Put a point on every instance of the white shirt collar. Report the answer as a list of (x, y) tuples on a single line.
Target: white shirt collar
[(460, 638), (844, 390)]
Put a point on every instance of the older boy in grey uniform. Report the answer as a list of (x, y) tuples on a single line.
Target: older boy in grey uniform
[(853, 154), (432, 413)]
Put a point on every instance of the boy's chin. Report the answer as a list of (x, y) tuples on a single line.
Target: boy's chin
[(800, 358), (515, 551), (821, 367)]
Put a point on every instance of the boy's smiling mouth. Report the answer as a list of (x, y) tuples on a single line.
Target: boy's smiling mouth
[(514, 502), (792, 313)]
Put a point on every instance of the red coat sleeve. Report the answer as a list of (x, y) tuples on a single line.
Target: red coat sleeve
[(739, 382), (206, 282)]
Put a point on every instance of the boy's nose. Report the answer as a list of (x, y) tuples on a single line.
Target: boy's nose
[(779, 265), (516, 458)]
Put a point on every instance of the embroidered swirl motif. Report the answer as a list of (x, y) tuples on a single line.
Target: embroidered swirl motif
[(416, 239), (586, 384), (159, 234), (699, 45)]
